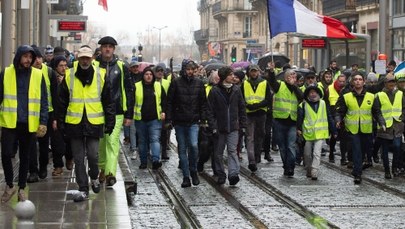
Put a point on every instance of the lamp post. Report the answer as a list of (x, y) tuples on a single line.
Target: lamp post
[(160, 38)]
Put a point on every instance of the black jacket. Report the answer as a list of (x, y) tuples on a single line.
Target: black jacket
[(113, 75), (227, 111), (85, 128), (186, 101), (23, 81)]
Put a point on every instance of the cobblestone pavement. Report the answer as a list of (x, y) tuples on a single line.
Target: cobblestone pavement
[(334, 198)]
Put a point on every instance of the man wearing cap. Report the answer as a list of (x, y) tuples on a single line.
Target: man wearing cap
[(43, 143), (122, 87), (164, 134), (86, 112), (23, 115), (227, 115), (354, 108), (390, 110), (257, 95), (286, 99), (134, 72)]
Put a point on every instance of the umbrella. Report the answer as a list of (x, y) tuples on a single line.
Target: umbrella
[(300, 72), (210, 61), (143, 65), (213, 66), (240, 64), (266, 58)]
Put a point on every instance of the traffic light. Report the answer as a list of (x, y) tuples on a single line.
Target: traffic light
[(233, 55)]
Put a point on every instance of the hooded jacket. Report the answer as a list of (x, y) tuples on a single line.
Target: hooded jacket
[(23, 81), (113, 76)]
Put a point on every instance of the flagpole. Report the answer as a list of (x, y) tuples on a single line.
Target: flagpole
[(271, 40)]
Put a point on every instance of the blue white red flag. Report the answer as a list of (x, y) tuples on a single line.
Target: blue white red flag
[(292, 16), (400, 69)]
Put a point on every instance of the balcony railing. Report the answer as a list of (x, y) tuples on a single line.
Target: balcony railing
[(367, 2), (201, 35), (331, 7), (216, 8)]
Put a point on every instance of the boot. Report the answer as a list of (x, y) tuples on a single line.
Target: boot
[(332, 157), (186, 182), (268, 157), (194, 178)]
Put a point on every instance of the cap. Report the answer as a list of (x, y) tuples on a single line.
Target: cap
[(239, 74), (107, 40), (85, 52), (254, 67), (312, 87), (310, 74), (55, 62), (134, 63), (389, 78), (159, 68)]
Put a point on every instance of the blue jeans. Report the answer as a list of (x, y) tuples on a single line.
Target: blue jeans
[(396, 143), (149, 138), (132, 136), (187, 139), (361, 143), (285, 137)]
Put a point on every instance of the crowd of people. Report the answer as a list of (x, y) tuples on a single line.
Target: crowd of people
[(79, 106)]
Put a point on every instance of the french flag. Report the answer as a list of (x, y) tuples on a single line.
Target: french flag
[(292, 16)]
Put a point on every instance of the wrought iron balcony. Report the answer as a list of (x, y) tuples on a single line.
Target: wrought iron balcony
[(201, 35), (338, 8)]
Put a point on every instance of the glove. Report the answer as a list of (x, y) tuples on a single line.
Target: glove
[(169, 125), (41, 131), (108, 130)]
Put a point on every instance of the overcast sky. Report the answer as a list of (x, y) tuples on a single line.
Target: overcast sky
[(134, 17)]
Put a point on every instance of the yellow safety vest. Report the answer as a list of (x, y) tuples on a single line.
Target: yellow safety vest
[(86, 97), (333, 95), (252, 97), (285, 103), (165, 84), (359, 117), (337, 74), (391, 111), (208, 88), (315, 125), (120, 65), (45, 73), (8, 108), (139, 99)]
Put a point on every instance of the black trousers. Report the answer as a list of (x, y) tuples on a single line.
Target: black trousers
[(25, 140)]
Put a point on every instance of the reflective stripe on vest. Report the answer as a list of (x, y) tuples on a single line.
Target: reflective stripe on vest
[(252, 97), (86, 97), (120, 66), (391, 111), (315, 125), (8, 108), (45, 73), (333, 95), (139, 99), (359, 116), (285, 103)]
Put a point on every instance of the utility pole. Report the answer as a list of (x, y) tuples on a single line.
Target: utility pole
[(160, 39)]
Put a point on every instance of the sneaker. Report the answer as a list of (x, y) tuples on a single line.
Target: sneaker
[(156, 165), (186, 182), (221, 180), (95, 186), (101, 176), (350, 165), (252, 167), (395, 172), (143, 166), (110, 180), (134, 155), (387, 175), (233, 180), (357, 179), (21, 195), (43, 173), (57, 172), (274, 148), (32, 178), (268, 157), (194, 178), (81, 196), (314, 176), (8, 193), (367, 165), (69, 164), (343, 162), (290, 173)]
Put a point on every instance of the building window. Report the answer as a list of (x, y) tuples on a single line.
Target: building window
[(247, 32), (399, 44), (398, 7)]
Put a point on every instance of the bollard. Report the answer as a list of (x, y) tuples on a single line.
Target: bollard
[(25, 212)]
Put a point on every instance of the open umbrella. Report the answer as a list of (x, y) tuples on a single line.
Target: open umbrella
[(210, 61), (240, 64), (213, 66), (266, 58), (143, 65)]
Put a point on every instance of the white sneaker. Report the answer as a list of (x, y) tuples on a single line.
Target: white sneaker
[(134, 155)]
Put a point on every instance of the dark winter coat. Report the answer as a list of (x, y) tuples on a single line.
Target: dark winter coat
[(227, 109), (186, 101)]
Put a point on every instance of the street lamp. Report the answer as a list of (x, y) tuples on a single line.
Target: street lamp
[(160, 37)]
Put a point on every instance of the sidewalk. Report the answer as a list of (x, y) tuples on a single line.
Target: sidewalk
[(55, 208)]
